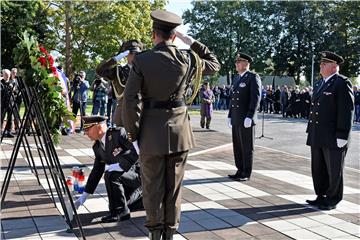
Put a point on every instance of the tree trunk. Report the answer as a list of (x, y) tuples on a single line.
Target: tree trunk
[(68, 39)]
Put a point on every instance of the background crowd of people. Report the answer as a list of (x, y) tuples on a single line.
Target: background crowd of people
[(289, 101)]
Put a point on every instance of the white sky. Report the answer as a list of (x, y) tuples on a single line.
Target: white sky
[(179, 7)]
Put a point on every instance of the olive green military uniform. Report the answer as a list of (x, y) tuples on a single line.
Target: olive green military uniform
[(163, 132), (118, 74)]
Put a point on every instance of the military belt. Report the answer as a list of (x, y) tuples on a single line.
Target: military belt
[(163, 104)]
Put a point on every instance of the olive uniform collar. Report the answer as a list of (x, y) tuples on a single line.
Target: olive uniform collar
[(164, 44)]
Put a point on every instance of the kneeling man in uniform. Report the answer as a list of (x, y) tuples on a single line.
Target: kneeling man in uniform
[(117, 157)]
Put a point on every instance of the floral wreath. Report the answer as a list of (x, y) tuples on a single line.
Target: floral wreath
[(37, 69)]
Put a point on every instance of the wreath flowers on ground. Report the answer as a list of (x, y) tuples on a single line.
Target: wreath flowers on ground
[(37, 68)]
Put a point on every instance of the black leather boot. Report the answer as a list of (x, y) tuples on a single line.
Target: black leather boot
[(155, 235), (168, 234)]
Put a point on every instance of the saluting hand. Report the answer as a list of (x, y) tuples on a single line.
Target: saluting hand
[(121, 55), (185, 38)]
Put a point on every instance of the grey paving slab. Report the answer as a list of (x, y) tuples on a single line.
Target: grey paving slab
[(270, 206)]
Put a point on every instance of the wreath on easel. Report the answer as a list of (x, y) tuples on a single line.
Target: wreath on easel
[(37, 69)]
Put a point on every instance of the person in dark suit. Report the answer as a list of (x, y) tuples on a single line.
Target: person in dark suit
[(116, 156), (161, 76), (118, 74), (245, 99), (329, 126)]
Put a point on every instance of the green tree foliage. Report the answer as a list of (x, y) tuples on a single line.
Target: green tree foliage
[(18, 16), (100, 27), (281, 35)]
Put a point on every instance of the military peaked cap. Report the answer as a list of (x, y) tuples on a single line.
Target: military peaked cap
[(243, 56), (90, 121), (164, 20), (134, 46), (331, 57)]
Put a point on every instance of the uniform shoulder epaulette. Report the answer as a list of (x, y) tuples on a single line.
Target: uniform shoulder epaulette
[(114, 128), (142, 52), (342, 77)]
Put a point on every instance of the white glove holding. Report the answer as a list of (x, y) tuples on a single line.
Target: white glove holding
[(121, 55), (185, 38), (136, 146), (229, 123), (80, 201), (247, 122), (341, 142), (113, 167)]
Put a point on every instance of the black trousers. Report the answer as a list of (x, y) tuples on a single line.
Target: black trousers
[(123, 189), (243, 145), (327, 166), (82, 107)]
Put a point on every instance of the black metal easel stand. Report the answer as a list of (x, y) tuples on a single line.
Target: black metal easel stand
[(46, 150), (262, 128)]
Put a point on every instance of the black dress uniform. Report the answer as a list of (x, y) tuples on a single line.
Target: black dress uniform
[(330, 118), (245, 99), (123, 188)]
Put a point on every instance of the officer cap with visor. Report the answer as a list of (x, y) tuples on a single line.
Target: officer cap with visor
[(134, 46), (164, 20), (89, 121), (327, 56), (243, 57)]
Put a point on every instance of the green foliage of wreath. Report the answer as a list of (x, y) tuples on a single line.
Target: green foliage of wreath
[(36, 67)]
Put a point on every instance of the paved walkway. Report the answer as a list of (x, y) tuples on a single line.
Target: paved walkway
[(270, 206)]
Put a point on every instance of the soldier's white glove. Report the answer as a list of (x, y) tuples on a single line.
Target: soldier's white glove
[(247, 122), (113, 167), (185, 38), (229, 123), (80, 201), (341, 142), (136, 146), (121, 55)]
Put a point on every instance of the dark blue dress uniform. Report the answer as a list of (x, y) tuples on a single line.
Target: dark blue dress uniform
[(330, 118), (123, 188), (244, 101)]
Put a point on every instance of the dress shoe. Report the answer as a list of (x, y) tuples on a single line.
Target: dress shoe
[(319, 200), (234, 176), (326, 207), (243, 179), (8, 135), (116, 217)]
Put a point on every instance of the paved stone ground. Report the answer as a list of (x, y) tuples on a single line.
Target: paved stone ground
[(270, 206)]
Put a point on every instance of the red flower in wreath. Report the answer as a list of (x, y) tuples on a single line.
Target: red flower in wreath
[(43, 61), (42, 49)]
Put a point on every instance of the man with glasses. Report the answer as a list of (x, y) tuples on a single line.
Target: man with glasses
[(117, 157), (245, 99), (329, 126)]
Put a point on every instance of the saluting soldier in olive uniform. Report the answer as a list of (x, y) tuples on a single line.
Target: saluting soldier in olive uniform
[(164, 132), (118, 74), (329, 127), (245, 99), (116, 156)]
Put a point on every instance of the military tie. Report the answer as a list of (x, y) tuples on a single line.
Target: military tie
[(322, 84)]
